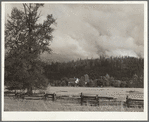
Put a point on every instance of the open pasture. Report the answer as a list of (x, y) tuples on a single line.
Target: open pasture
[(119, 93), (40, 105), (72, 104)]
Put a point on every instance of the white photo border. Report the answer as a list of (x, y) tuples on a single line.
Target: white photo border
[(63, 116)]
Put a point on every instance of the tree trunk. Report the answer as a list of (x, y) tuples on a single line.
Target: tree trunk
[(29, 90)]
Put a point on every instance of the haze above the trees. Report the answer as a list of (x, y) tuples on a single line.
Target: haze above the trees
[(91, 30)]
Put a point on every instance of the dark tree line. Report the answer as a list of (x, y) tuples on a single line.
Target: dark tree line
[(127, 70)]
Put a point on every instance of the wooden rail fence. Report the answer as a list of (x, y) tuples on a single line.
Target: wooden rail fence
[(47, 96), (84, 99), (134, 102), (96, 100)]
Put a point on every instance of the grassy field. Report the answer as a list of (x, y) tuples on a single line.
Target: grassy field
[(41, 105), (119, 93), (11, 104)]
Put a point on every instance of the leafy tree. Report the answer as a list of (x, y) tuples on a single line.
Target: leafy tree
[(135, 80), (106, 80), (141, 81), (111, 79), (82, 81), (123, 84), (117, 83), (131, 84), (65, 80), (25, 40), (100, 82), (92, 83), (63, 83)]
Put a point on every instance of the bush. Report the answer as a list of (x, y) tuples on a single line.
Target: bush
[(81, 83), (117, 83), (99, 82), (123, 84), (63, 83), (92, 83)]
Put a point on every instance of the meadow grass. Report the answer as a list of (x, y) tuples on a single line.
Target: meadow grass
[(72, 104), (11, 104)]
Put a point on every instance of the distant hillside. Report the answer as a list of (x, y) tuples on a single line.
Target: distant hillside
[(118, 68), (54, 57)]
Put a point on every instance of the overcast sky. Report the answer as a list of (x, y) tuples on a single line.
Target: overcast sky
[(91, 30)]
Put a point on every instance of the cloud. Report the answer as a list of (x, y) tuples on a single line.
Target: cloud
[(91, 30)]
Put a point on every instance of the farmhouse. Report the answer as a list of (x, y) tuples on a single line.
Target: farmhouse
[(73, 81)]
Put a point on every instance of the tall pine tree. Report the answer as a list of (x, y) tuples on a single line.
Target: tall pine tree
[(25, 40)]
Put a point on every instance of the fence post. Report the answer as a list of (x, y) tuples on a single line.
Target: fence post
[(45, 96), (97, 100), (127, 101), (81, 98), (54, 97)]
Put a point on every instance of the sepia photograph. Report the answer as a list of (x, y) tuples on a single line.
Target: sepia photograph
[(74, 60)]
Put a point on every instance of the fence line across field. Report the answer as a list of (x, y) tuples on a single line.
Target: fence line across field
[(85, 99)]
